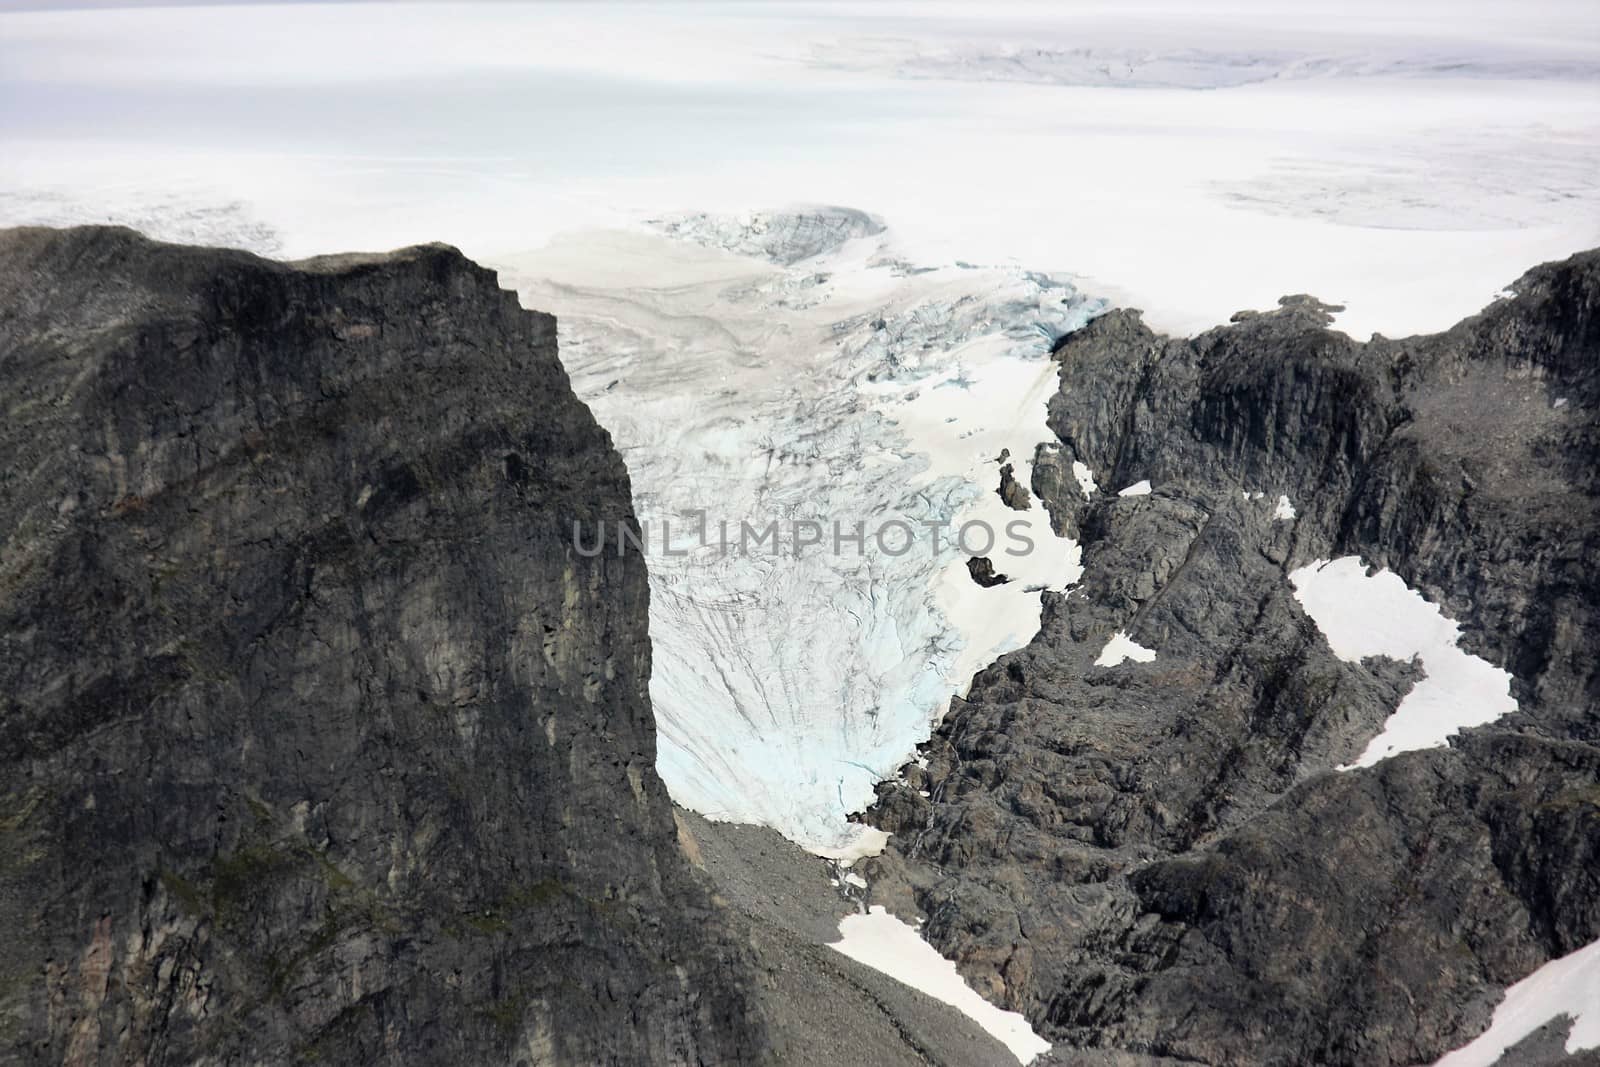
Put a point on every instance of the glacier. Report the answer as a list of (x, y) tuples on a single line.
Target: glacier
[(1190, 162), (798, 371)]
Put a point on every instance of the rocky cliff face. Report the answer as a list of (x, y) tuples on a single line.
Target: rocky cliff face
[(1158, 861), (317, 738)]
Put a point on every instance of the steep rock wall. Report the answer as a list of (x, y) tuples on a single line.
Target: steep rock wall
[(317, 738)]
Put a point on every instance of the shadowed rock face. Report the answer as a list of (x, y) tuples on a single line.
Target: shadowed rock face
[(1157, 861), (317, 739)]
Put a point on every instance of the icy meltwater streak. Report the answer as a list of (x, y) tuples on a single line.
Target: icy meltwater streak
[(1376, 615), (884, 943), (849, 389), (1569, 986)]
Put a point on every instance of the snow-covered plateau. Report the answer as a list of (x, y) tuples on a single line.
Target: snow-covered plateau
[(1405, 160)]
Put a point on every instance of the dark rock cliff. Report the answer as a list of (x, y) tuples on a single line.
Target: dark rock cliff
[(317, 740), (1157, 862)]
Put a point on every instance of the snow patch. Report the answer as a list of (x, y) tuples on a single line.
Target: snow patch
[(1284, 510), (1377, 615), (1139, 488), (860, 841), (1122, 647), (1085, 478), (1569, 986), (884, 943)]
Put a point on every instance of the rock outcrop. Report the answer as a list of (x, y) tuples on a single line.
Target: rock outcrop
[(1158, 862), (318, 740)]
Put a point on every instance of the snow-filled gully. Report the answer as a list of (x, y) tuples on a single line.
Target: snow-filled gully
[(1375, 614), (1568, 988)]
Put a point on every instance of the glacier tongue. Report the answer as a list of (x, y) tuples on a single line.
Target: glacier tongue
[(744, 385)]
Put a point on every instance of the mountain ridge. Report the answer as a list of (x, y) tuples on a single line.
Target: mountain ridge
[(1158, 860)]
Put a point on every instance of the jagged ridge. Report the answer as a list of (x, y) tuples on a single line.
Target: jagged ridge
[(1157, 861)]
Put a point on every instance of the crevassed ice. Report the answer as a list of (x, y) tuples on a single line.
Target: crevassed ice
[(1377, 615), (847, 387), (883, 942)]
